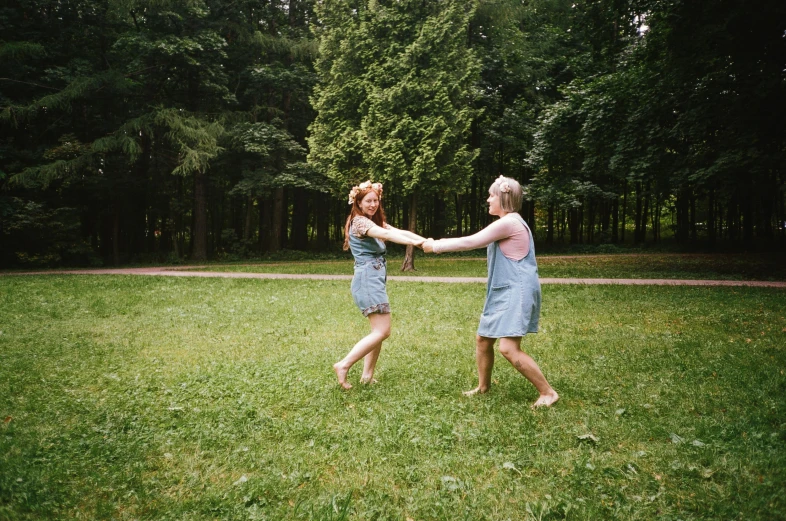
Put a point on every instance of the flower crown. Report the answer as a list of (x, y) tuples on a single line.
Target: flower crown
[(377, 187), (504, 187)]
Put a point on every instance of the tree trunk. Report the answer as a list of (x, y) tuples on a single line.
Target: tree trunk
[(199, 234), (550, 225), (731, 223), (590, 222), (473, 205), (573, 225), (264, 224), (644, 215), (459, 215), (711, 218), (782, 218), (276, 220), (152, 225), (747, 218), (116, 235), (637, 217), (624, 210), (615, 209), (409, 257), (300, 219), (655, 219), (284, 238), (561, 227), (438, 223), (322, 215), (692, 218), (533, 226), (249, 218)]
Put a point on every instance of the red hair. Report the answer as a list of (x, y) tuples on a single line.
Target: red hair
[(378, 217)]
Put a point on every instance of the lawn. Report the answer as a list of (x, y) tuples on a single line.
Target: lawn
[(182, 398), (644, 266)]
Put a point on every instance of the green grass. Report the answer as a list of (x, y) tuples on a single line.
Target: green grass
[(171, 398), (647, 266)]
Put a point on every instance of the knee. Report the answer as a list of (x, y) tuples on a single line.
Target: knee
[(484, 344), (507, 350), (383, 332)]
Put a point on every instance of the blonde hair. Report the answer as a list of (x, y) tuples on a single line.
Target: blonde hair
[(509, 192)]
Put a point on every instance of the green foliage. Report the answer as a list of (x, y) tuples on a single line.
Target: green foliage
[(35, 236), (394, 102), (80, 89), (14, 51), (665, 108), (195, 139), (614, 115)]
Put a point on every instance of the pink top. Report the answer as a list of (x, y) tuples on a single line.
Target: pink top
[(512, 236)]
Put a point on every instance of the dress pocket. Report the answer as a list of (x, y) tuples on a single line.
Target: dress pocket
[(498, 299)]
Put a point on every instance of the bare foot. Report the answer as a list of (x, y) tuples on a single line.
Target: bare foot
[(546, 400), (368, 380), (341, 373), (476, 390)]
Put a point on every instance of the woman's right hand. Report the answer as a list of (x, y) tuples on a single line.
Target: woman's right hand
[(428, 246)]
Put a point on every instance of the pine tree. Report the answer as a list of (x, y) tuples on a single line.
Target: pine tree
[(395, 98)]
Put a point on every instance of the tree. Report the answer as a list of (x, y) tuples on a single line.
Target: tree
[(394, 101)]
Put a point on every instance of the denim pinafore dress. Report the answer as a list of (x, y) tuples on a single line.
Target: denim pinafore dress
[(368, 283), (512, 306)]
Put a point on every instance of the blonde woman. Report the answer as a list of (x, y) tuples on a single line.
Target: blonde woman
[(512, 307), (365, 234)]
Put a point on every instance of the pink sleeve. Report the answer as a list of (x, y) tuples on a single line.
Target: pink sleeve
[(360, 226), (496, 231)]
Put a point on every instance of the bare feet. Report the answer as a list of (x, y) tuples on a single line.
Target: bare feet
[(341, 373), (476, 390), (546, 400), (367, 380)]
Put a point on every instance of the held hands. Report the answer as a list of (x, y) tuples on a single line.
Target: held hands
[(428, 246)]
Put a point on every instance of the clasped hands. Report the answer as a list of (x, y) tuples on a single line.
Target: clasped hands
[(427, 245)]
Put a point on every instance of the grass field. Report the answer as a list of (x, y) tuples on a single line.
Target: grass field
[(656, 266), (179, 398)]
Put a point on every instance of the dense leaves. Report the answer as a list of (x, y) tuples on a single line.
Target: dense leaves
[(152, 131)]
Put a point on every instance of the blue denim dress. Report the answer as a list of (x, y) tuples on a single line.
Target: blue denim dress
[(368, 283), (512, 306)]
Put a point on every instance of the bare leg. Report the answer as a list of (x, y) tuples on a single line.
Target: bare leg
[(484, 356), (380, 330), (369, 364), (511, 349)]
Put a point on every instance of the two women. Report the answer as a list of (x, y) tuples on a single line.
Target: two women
[(512, 307)]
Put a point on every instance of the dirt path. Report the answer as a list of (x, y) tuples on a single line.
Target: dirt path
[(179, 271)]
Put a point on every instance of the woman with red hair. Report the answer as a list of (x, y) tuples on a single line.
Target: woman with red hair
[(364, 234)]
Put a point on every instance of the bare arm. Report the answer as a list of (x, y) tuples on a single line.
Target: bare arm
[(496, 231), (395, 235), (407, 233)]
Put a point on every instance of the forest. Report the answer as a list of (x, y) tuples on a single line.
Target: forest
[(171, 130)]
